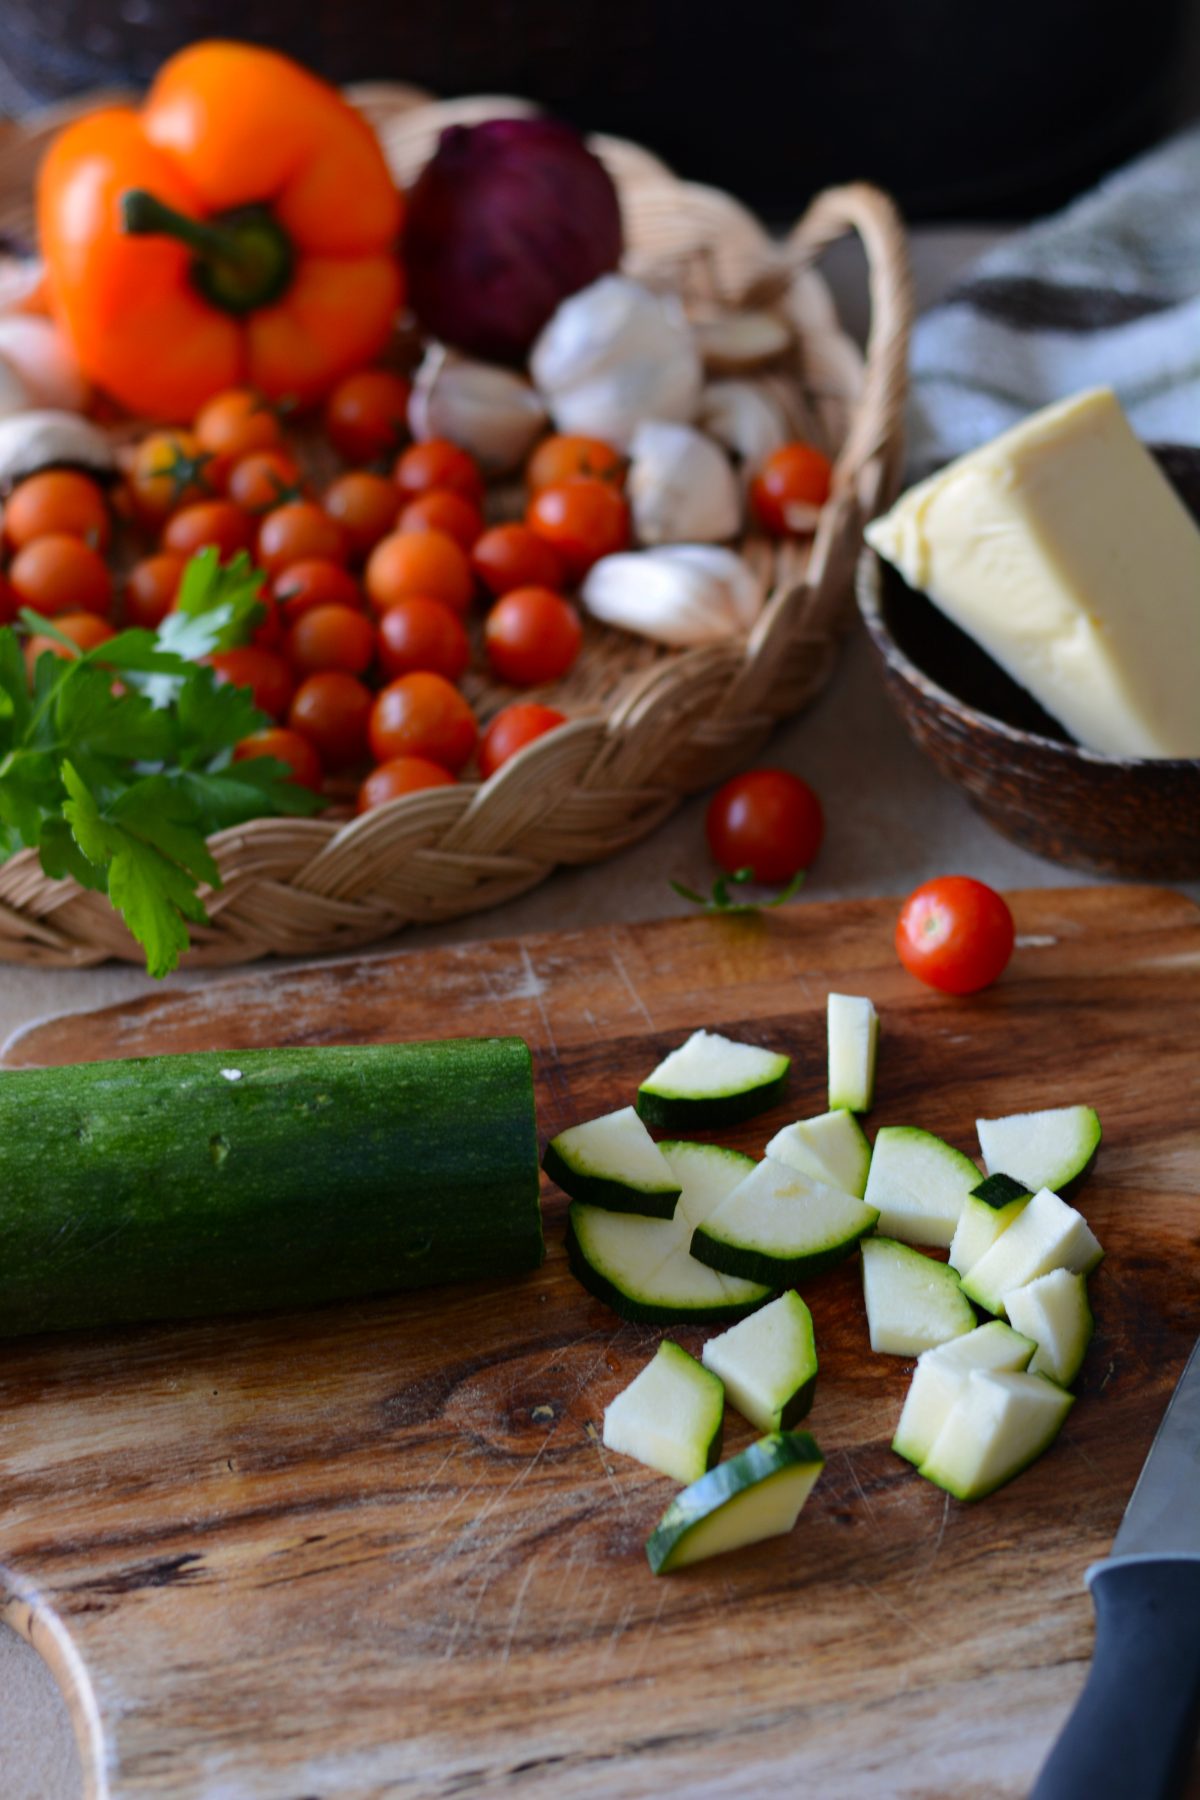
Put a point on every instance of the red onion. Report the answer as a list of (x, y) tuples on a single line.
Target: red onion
[(506, 220)]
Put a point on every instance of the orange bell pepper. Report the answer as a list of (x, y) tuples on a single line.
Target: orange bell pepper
[(238, 231)]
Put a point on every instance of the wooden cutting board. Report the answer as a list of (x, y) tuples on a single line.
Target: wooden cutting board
[(380, 1550)]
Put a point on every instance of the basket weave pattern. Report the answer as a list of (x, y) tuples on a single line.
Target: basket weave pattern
[(646, 727)]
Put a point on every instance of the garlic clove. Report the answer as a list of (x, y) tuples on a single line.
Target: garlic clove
[(47, 439), (680, 486), (747, 420), (40, 355), (489, 411), (14, 394), (674, 597), (736, 343), (743, 589)]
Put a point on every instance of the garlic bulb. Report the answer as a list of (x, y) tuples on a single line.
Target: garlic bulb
[(48, 439), (680, 486), (613, 355), (680, 594), (43, 360), (14, 393), (745, 418), (489, 411)]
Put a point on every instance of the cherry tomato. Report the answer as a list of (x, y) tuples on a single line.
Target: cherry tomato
[(313, 582), (209, 524), (532, 635), (583, 519), (789, 488), (331, 710), (151, 587), (232, 424), (441, 509), (366, 416), (565, 455), (767, 820), (268, 633), (331, 637), (264, 479), (422, 634), (298, 532), (10, 602), (419, 562), (437, 463), (286, 747), (59, 574), (955, 934), (513, 556), (84, 630), (365, 506), (512, 729), (168, 469), (262, 671), (57, 500), (401, 775), (422, 715)]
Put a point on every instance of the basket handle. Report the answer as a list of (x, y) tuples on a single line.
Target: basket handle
[(872, 456)]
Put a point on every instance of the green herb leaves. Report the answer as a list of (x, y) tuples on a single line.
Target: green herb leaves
[(721, 901)]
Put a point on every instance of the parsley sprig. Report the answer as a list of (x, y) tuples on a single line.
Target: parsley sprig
[(117, 763), (722, 901)]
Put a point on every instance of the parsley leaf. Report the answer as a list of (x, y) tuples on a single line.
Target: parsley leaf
[(722, 901)]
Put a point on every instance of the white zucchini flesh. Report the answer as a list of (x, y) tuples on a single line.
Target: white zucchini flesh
[(1048, 1235), (919, 1184), (832, 1148), (979, 1225), (1046, 1149), (615, 1150), (757, 1494), (709, 1070), (768, 1363), (1054, 1312), (999, 1424), (779, 1225), (942, 1373), (913, 1303), (670, 1416), (852, 1025)]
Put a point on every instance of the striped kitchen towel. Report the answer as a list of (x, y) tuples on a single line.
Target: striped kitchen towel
[(1104, 294)]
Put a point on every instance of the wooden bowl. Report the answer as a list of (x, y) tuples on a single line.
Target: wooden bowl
[(1115, 815)]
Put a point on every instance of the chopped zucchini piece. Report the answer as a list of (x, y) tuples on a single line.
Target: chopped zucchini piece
[(1050, 1149), (641, 1267), (832, 1148), (918, 1184), (779, 1226), (613, 1162), (1048, 1235), (768, 1363), (853, 1028), (755, 1495), (670, 1416), (940, 1376), (1053, 1310), (988, 1211), (913, 1302), (711, 1081), (999, 1424)]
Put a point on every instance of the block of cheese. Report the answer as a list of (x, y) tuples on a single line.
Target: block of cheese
[(1063, 550)]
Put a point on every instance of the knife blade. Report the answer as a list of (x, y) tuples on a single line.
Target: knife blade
[(1132, 1731)]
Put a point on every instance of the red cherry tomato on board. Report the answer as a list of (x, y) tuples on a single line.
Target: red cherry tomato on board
[(955, 934), (767, 820)]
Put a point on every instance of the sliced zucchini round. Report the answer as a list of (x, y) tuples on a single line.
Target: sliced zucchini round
[(919, 1185), (755, 1495), (711, 1081), (1053, 1148), (670, 1417), (768, 1363), (779, 1227), (832, 1148), (613, 1162), (913, 1302), (999, 1424)]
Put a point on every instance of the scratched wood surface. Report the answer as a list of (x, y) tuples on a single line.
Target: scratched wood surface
[(379, 1551)]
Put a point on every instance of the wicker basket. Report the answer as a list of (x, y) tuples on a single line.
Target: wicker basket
[(647, 727)]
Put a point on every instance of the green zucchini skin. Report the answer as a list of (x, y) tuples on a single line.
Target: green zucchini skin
[(682, 1114), (239, 1181), (644, 1312), (777, 1272), (613, 1196)]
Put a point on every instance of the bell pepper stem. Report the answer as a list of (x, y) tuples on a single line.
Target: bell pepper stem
[(145, 215), (241, 259)]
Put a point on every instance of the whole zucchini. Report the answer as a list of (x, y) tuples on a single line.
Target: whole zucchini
[(229, 1181)]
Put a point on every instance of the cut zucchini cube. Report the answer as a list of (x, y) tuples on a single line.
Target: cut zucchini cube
[(919, 1185), (987, 1213), (768, 1363), (913, 1302), (613, 1162), (1049, 1149), (832, 1148), (999, 1424), (1053, 1310), (1048, 1235), (711, 1081), (755, 1495), (941, 1375), (853, 1031), (670, 1416)]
